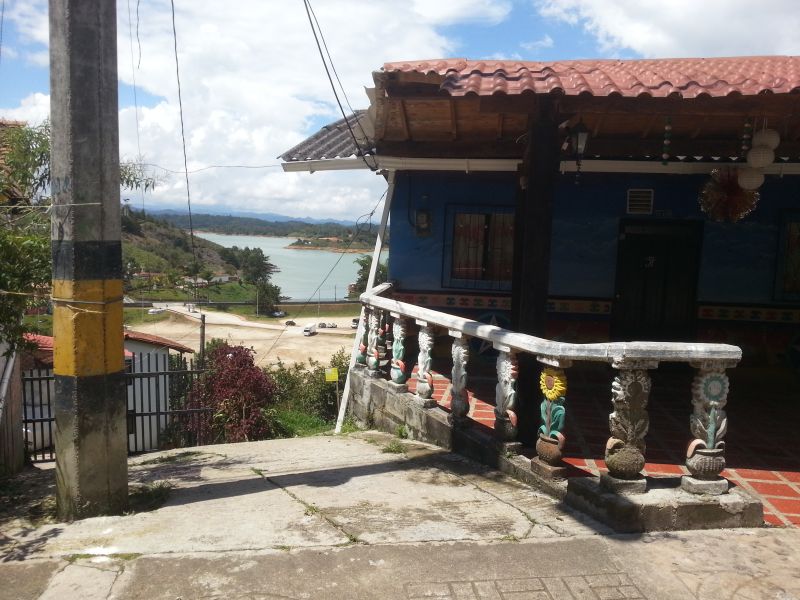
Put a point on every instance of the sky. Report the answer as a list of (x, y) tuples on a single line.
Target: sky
[(253, 84)]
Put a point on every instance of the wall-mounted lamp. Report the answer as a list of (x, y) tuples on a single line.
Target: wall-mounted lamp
[(422, 221)]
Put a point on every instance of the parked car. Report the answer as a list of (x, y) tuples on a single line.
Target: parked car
[(290, 323), (156, 311), (322, 325), (331, 325), (310, 329), (354, 323), (277, 313)]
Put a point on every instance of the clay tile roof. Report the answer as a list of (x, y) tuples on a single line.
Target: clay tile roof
[(156, 340), (658, 78), (44, 346), (332, 141)]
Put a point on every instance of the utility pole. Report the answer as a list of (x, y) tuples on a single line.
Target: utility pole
[(202, 340), (91, 437)]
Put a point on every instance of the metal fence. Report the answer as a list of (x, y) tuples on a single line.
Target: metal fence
[(159, 412)]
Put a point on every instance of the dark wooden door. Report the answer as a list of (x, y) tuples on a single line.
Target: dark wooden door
[(656, 285)]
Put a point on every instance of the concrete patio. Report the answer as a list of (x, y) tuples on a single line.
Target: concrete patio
[(342, 517)]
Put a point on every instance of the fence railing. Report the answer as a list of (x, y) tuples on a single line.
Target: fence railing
[(158, 415), (382, 352)]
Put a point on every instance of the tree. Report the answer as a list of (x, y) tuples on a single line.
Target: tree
[(268, 296), (364, 263), (255, 265), (25, 269)]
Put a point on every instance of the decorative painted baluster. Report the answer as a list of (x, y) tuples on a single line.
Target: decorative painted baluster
[(398, 369), (361, 358), (550, 442), (424, 376), (381, 345), (505, 416), (459, 399), (629, 421), (705, 457), (372, 344)]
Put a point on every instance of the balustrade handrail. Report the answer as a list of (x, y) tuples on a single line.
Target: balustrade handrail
[(616, 353)]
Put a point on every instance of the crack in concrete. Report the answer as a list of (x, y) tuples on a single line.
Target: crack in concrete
[(311, 509)]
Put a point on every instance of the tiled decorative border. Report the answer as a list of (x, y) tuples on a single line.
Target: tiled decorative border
[(597, 306), (434, 300), (759, 314)]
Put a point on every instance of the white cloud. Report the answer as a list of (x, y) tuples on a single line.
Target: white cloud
[(33, 109), (252, 84), (683, 27), (544, 42)]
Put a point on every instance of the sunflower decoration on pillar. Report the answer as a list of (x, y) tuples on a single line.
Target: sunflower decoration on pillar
[(553, 384), (723, 198)]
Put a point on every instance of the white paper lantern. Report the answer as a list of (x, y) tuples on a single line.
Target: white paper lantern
[(750, 179), (759, 157), (767, 137)]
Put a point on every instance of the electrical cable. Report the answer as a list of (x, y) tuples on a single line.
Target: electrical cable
[(368, 217), (206, 168), (335, 72), (183, 136), (359, 151)]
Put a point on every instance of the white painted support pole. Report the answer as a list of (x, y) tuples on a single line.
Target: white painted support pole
[(376, 257)]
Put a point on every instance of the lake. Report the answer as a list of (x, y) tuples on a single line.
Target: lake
[(301, 271)]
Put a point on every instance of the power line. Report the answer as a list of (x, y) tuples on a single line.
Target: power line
[(368, 219), (333, 68), (183, 135), (360, 152)]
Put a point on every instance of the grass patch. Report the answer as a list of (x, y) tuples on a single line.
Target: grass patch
[(297, 423), (139, 316), (150, 496), (402, 432), (394, 447), (41, 324), (118, 555), (171, 459), (350, 426)]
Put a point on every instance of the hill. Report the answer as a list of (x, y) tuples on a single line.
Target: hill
[(317, 235), (153, 245)]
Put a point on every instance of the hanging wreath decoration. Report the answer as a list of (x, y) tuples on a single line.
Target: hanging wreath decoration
[(722, 199)]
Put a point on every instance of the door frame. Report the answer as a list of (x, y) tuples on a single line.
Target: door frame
[(693, 227)]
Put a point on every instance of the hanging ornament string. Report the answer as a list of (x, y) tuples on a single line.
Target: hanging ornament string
[(722, 199), (747, 136), (665, 148)]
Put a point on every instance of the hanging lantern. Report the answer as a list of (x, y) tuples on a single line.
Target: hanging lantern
[(767, 137), (749, 178), (759, 157), (722, 199)]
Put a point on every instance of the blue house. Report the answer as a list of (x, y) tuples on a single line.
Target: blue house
[(634, 214)]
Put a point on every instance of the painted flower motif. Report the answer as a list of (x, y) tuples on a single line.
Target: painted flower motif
[(553, 383), (714, 387)]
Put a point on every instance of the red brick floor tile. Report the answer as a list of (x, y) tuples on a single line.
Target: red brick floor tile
[(773, 520), (774, 489), (757, 474), (794, 520), (787, 507), (575, 462), (663, 469), (793, 476)]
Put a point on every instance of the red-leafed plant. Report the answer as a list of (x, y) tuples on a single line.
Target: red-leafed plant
[(237, 397)]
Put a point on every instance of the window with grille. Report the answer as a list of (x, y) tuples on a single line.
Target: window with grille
[(482, 250)]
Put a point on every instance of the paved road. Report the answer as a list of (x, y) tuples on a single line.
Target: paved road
[(338, 517)]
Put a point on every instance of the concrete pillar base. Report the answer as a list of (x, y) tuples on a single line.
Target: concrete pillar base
[(610, 483), (714, 487)]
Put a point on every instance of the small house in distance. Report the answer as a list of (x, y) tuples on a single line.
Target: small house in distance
[(630, 225)]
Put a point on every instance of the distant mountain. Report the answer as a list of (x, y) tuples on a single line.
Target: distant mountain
[(226, 212)]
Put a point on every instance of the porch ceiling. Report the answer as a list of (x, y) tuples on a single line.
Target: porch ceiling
[(484, 109)]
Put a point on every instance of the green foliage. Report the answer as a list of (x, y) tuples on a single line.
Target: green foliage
[(364, 263), (25, 273), (394, 447), (268, 296), (302, 387), (26, 160)]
